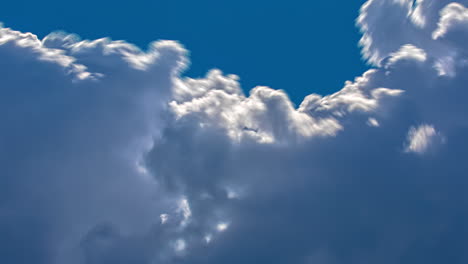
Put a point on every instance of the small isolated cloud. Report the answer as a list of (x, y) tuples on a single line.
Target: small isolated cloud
[(222, 227), (422, 138), (373, 122), (110, 155)]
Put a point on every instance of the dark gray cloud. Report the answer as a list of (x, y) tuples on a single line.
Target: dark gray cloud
[(110, 156)]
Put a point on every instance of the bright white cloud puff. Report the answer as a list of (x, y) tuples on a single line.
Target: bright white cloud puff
[(422, 138), (110, 155)]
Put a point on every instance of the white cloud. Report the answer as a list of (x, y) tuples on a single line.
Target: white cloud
[(387, 25), (407, 52), (179, 245), (222, 227), (421, 138), (76, 119), (164, 218), (208, 238), (453, 16), (265, 116), (373, 122), (184, 209), (102, 140)]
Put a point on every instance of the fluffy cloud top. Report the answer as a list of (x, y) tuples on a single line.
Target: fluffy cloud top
[(110, 155)]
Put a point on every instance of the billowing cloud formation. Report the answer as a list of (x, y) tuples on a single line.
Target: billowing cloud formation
[(75, 123), (109, 155)]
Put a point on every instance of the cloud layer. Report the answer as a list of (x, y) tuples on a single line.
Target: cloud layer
[(110, 155)]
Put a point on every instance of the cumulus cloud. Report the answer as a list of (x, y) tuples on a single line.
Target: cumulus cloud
[(76, 120), (110, 155), (453, 17), (421, 139), (389, 24)]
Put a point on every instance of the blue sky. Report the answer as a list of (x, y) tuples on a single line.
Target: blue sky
[(285, 43), (111, 154)]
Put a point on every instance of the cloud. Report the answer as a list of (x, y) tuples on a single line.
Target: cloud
[(76, 120), (408, 22), (422, 138), (454, 16), (110, 155)]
